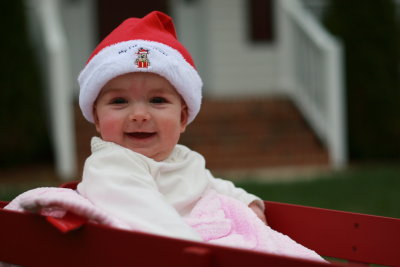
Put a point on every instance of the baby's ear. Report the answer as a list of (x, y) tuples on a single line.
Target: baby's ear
[(96, 118), (184, 117)]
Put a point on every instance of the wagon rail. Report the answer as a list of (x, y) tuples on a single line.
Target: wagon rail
[(30, 240)]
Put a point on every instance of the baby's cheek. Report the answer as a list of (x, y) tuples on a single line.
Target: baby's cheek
[(110, 125)]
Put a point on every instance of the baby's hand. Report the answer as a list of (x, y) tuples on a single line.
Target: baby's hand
[(258, 211)]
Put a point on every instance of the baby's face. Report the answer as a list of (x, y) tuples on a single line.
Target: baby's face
[(142, 112)]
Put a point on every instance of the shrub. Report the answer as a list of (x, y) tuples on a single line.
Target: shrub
[(23, 137), (369, 31)]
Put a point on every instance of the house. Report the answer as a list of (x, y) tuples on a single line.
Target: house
[(273, 53)]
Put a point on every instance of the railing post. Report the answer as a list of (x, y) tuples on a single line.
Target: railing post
[(337, 107), (312, 65), (60, 95)]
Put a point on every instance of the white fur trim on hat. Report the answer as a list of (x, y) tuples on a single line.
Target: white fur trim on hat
[(119, 59)]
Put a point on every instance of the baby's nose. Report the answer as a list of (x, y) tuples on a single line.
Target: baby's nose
[(139, 113)]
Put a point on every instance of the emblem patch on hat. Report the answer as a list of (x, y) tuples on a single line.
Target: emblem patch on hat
[(142, 60)]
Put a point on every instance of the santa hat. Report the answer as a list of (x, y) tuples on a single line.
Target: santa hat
[(148, 44)]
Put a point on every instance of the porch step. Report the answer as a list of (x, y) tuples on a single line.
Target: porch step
[(254, 133), (240, 134)]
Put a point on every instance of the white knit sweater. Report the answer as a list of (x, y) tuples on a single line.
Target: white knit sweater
[(151, 195)]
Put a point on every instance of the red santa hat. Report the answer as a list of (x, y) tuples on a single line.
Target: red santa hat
[(147, 44)]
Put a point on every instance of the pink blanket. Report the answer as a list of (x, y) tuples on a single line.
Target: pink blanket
[(57, 202), (226, 221), (218, 219)]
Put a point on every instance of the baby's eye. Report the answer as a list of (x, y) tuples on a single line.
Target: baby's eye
[(158, 100), (118, 100)]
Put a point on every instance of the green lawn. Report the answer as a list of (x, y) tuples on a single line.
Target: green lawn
[(371, 190), (10, 190)]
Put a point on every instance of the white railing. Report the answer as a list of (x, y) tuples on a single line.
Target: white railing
[(46, 15), (313, 70)]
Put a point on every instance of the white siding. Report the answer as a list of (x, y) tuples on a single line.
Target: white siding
[(80, 28), (231, 64), (191, 22)]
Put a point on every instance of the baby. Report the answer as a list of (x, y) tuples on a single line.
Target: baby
[(141, 89)]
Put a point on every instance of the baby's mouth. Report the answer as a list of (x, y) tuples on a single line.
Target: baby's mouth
[(141, 135)]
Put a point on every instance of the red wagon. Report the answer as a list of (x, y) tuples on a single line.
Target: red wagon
[(29, 240)]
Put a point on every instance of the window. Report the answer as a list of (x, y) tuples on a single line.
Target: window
[(261, 18)]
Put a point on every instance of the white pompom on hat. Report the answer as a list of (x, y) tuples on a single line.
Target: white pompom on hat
[(147, 44)]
